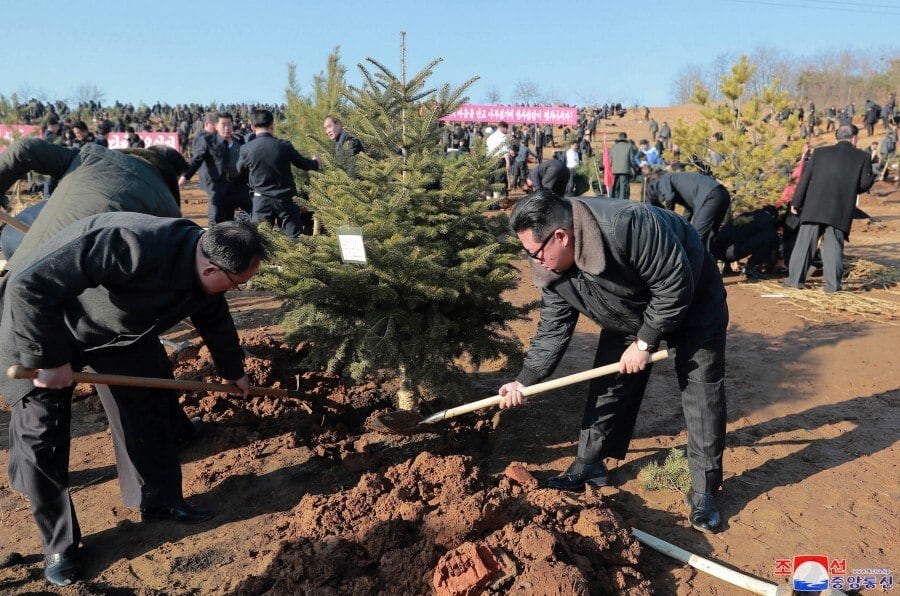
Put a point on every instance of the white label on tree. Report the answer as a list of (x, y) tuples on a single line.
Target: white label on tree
[(353, 250)]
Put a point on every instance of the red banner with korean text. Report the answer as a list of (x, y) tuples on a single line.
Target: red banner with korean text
[(514, 114), (119, 140)]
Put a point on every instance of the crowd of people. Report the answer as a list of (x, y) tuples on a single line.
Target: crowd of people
[(108, 264)]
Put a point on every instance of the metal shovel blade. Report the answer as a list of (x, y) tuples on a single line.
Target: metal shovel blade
[(400, 422)]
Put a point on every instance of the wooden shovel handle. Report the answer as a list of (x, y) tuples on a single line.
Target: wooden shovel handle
[(9, 219), (20, 372), (539, 388)]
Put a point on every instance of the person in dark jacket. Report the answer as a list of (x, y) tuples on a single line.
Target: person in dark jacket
[(98, 294), (268, 160), (705, 201), (345, 144), (753, 234), (643, 275), (621, 156), (216, 156), (825, 200), (92, 180), (551, 174), (873, 113), (134, 139), (83, 136)]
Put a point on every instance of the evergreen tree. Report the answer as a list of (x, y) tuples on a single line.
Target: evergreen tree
[(757, 154), (304, 114), (430, 294)]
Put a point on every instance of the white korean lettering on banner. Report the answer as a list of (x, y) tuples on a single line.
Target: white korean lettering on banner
[(514, 114)]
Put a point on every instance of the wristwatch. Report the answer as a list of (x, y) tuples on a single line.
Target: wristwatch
[(642, 345)]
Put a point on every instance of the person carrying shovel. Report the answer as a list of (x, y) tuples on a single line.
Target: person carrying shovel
[(643, 275), (98, 294)]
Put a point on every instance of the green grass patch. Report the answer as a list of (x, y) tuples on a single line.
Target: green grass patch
[(673, 474)]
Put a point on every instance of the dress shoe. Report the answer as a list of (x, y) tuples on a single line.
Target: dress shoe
[(754, 273), (580, 474), (704, 513), (62, 569), (180, 512)]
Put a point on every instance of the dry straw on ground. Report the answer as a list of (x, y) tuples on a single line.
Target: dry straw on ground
[(818, 306)]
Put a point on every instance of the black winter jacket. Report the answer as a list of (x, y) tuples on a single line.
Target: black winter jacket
[(639, 270)]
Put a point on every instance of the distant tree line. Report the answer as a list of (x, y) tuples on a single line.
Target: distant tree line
[(838, 77)]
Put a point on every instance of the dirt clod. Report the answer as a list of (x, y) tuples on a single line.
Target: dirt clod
[(440, 523), (465, 570)]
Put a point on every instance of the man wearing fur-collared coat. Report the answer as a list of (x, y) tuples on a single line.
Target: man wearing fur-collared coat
[(643, 275)]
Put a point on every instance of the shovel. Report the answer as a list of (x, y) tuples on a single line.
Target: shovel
[(20, 372), (406, 422)]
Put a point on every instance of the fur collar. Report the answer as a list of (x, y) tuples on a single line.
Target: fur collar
[(589, 255)]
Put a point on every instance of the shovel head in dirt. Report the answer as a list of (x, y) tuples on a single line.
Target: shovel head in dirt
[(406, 422)]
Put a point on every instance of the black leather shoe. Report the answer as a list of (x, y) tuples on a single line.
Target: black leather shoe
[(754, 273), (580, 474), (181, 512), (62, 569), (704, 513)]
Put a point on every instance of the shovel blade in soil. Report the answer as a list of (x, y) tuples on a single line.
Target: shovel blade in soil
[(402, 422)]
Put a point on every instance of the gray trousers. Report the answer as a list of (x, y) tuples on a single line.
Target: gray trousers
[(805, 249), (613, 402)]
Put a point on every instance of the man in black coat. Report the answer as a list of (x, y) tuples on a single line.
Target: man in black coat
[(97, 295), (216, 155), (551, 174), (705, 201), (268, 160), (752, 234), (825, 199), (642, 274), (345, 144)]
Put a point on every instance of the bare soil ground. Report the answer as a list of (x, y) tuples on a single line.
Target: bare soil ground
[(314, 503)]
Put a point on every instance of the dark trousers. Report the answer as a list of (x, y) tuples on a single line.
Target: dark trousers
[(143, 424), (621, 186), (759, 246), (521, 173), (224, 199), (539, 152), (570, 185), (293, 223), (614, 401), (709, 216), (805, 249)]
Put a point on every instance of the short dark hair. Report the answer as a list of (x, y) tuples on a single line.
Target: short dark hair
[(226, 115), (847, 131), (262, 118), (334, 119), (211, 117), (542, 212), (80, 125), (503, 124), (235, 246)]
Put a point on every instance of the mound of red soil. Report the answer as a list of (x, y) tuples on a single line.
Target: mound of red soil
[(439, 523), (335, 404)]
